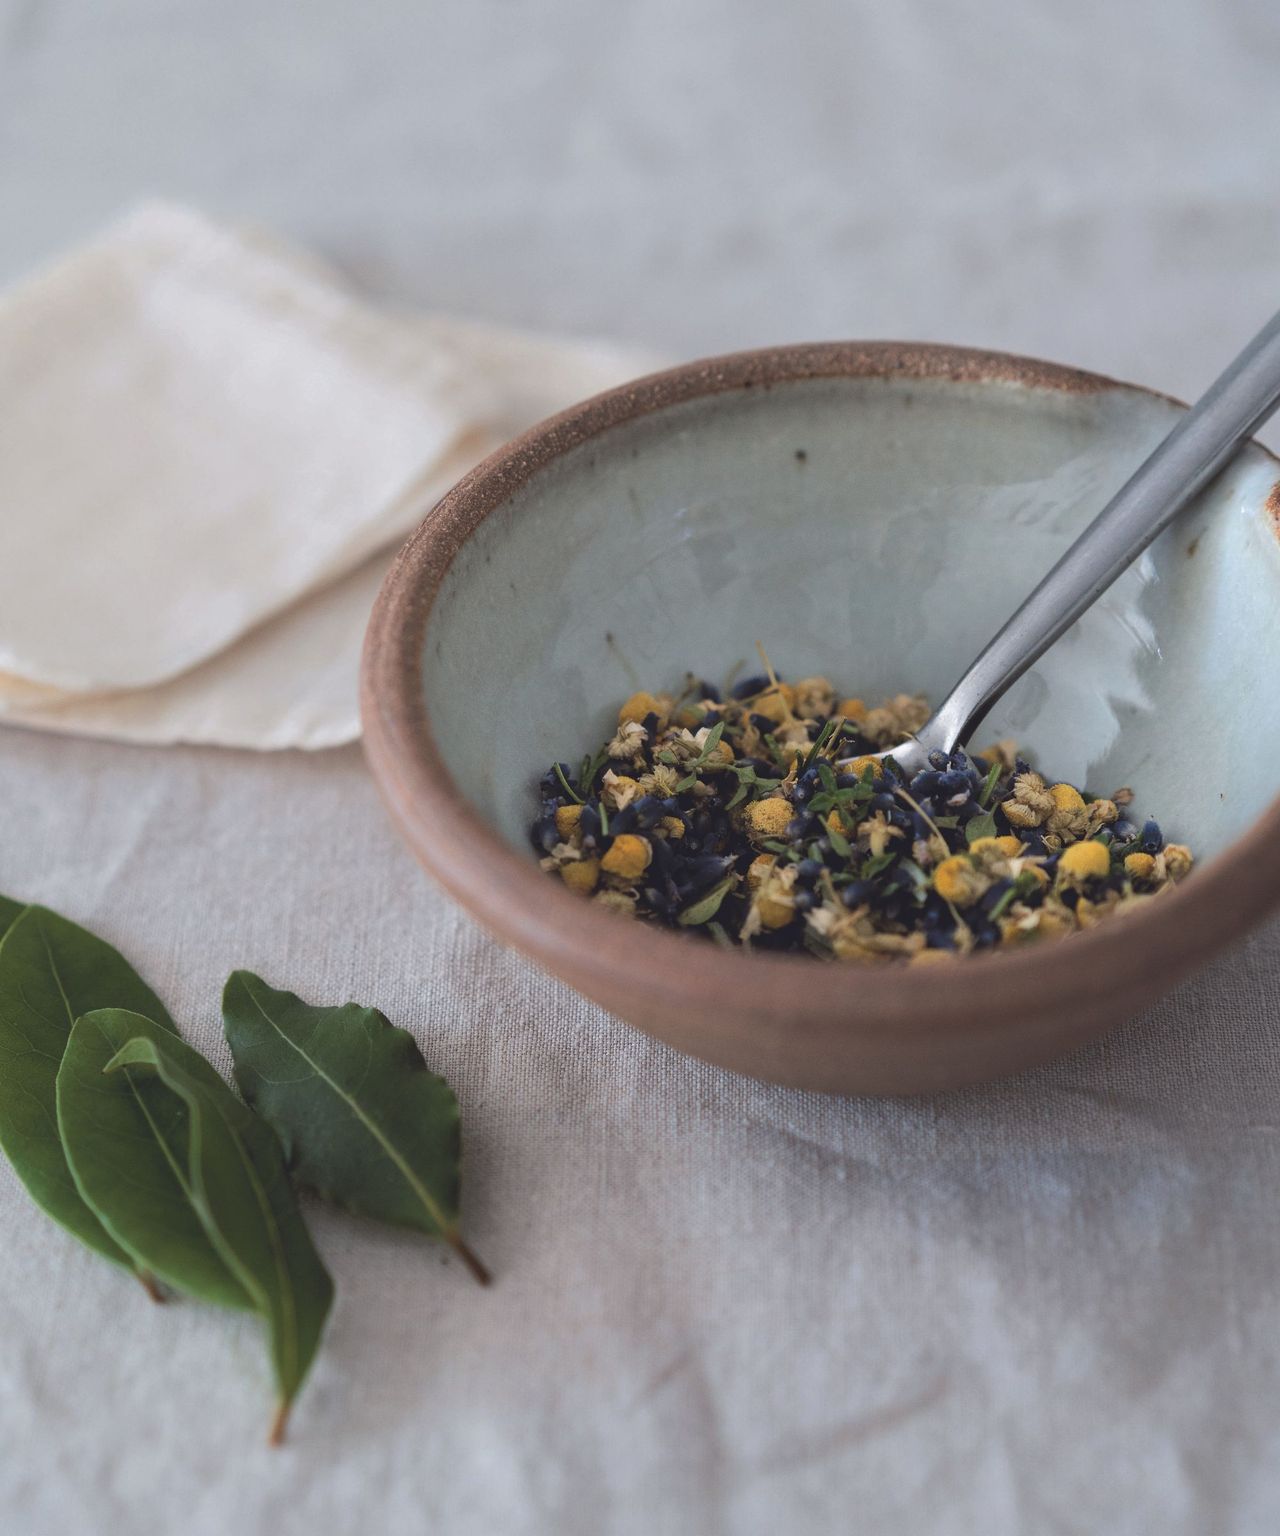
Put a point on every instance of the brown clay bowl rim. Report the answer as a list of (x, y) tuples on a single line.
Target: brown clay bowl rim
[(514, 899)]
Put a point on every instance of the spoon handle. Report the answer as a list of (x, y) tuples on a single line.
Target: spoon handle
[(1201, 444)]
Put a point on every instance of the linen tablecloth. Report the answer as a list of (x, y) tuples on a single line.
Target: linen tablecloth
[(1046, 1305)]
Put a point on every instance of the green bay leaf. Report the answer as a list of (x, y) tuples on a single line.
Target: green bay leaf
[(363, 1121), (51, 972), (126, 1136), (241, 1193), (10, 912)]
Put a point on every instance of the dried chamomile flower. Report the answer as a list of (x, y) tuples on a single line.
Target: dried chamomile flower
[(814, 698), (640, 706), (618, 790), (764, 819), (759, 870), (661, 780), (629, 741), (567, 819), (773, 900), (628, 857), (959, 881), (1085, 861), (1031, 804), (1140, 868), (582, 875), (1177, 860), (1102, 813), (1069, 816), (860, 766), (880, 726)]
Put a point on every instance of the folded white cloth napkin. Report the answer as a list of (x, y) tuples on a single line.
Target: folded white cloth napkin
[(208, 444)]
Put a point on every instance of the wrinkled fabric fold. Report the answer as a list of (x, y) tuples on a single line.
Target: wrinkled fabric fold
[(210, 448)]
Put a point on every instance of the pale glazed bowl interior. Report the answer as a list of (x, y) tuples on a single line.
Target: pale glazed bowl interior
[(871, 512), (875, 531)]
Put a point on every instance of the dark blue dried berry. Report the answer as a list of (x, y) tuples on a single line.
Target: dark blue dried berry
[(955, 787), (649, 812), (704, 871)]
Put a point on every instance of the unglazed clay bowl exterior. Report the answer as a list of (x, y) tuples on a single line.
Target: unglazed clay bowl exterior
[(871, 512)]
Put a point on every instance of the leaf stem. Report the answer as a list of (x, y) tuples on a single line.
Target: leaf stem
[(275, 1435), (478, 1271), (568, 788), (151, 1285)]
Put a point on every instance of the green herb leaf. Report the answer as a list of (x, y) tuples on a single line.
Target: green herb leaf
[(126, 1138), (10, 912), (989, 784), (706, 907), (718, 933), (839, 842), (740, 794), (773, 845), (364, 1123), (241, 1192), (979, 826), (873, 866), (826, 776), (52, 971), (604, 820), (712, 741)]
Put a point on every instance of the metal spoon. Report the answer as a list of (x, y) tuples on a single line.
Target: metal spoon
[(1201, 444)]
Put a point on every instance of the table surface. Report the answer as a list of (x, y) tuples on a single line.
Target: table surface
[(1047, 1305)]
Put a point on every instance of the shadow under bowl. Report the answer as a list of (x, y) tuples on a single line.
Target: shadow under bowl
[(870, 512)]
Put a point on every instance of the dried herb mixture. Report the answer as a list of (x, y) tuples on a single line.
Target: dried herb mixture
[(759, 818)]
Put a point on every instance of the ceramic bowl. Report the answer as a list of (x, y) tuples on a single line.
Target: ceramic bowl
[(871, 513)]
